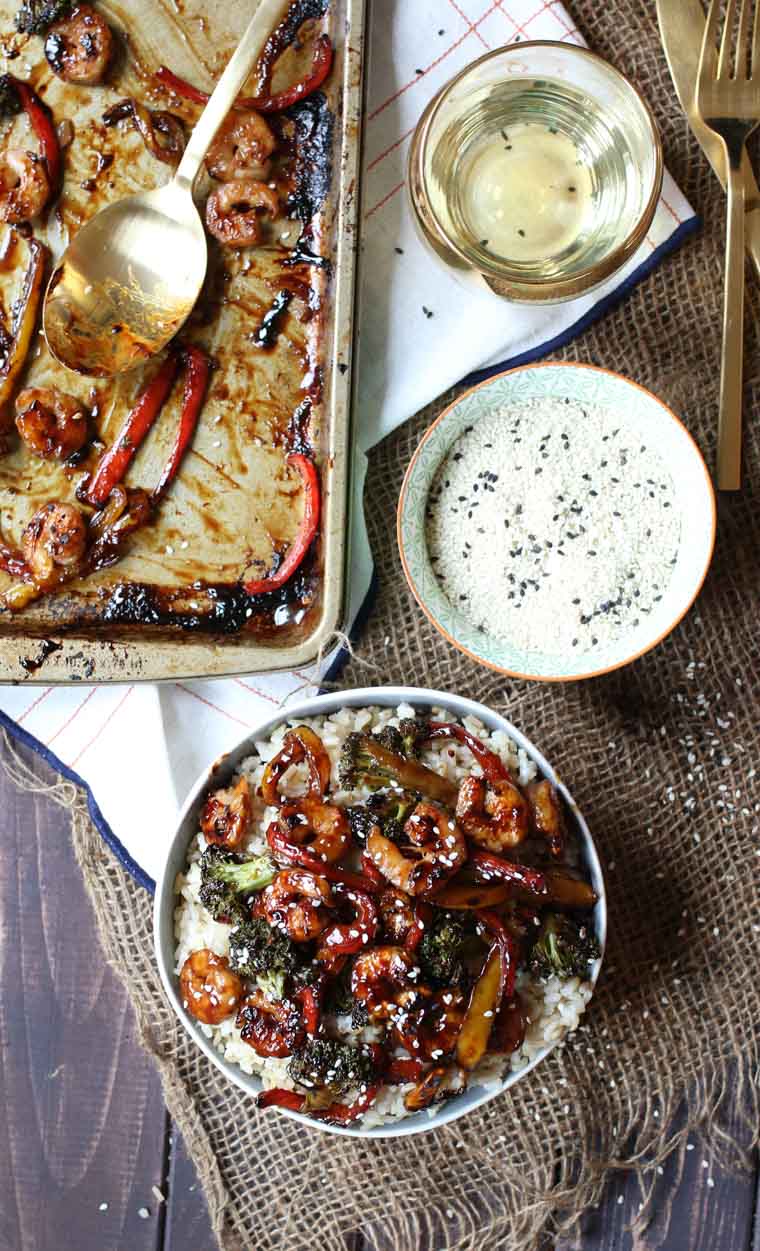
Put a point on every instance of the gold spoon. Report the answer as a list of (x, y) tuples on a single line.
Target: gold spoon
[(130, 278)]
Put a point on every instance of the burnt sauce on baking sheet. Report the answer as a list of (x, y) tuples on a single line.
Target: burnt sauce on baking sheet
[(236, 505)]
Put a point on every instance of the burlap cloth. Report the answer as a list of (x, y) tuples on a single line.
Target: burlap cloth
[(661, 758)]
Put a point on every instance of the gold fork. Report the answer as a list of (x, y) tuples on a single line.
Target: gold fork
[(729, 104)]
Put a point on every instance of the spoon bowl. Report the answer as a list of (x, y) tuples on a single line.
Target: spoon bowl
[(127, 283)]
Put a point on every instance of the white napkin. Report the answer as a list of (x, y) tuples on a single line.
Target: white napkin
[(139, 748)]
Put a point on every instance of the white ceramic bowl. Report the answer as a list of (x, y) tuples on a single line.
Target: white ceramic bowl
[(644, 418), (221, 770)]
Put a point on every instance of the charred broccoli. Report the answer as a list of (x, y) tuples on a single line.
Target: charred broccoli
[(226, 876), (563, 948), (36, 16), (257, 948), (405, 739), (440, 950), (323, 1063), (366, 761), (388, 810), (272, 983), (10, 102)]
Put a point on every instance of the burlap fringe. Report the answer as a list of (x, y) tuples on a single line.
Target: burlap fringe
[(722, 1107)]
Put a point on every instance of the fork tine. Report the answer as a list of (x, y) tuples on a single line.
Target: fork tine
[(724, 58), (742, 44), (707, 55)]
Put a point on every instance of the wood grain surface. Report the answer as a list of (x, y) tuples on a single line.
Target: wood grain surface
[(84, 1135)]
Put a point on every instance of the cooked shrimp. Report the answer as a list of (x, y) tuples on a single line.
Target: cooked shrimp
[(298, 746), (396, 913), (79, 47), (438, 850), (546, 815), (24, 185), (297, 902), (322, 828), (380, 978), (426, 1090), (271, 1027), (493, 814), (242, 147), (51, 423), (234, 211), (226, 815), (54, 542), (210, 990), (430, 1027)]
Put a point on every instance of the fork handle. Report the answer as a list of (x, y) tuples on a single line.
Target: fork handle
[(730, 419)]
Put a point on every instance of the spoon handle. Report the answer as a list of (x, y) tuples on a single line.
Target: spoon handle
[(265, 19)]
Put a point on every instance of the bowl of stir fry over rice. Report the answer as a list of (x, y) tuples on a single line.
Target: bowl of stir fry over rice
[(380, 910)]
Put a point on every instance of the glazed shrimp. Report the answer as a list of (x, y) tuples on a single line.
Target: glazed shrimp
[(430, 1027), (300, 745), (272, 1028), (79, 47), (322, 828), (54, 542), (52, 424), (242, 147), (297, 902), (426, 1090), (546, 815), (234, 211), (494, 814), (210, 990), (226, 815), (380, 978), (24, 185), (438, 850), (396, 913)]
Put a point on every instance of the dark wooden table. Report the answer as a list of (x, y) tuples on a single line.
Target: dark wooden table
[(88, 1155)]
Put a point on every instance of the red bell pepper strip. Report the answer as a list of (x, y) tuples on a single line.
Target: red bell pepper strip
[(489, 866), (294, 853), (493, 767), (278, 1097), (307, 530), (335, 1114), (41, 121), (507, 951), (310, 999), (400, 1071), (313, 80), (371, 871), (345, 1113), (115, 462), (197, 368)]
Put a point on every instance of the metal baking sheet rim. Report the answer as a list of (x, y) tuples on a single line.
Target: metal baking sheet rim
[(87, 658)]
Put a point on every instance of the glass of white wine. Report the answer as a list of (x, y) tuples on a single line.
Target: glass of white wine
[(538, 167)]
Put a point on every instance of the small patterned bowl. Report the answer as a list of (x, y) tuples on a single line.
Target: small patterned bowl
[(642, 414)]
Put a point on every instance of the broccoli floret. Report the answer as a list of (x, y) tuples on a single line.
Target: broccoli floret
[(226, 877), (359, 1014), (388, 810), (35, 17), (440, 951), (405, 739), (563, 948), (272, 983), (10, 102), (257, 948), (323, 1063)]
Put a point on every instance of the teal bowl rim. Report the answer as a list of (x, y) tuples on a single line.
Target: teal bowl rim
[(410, 564)]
